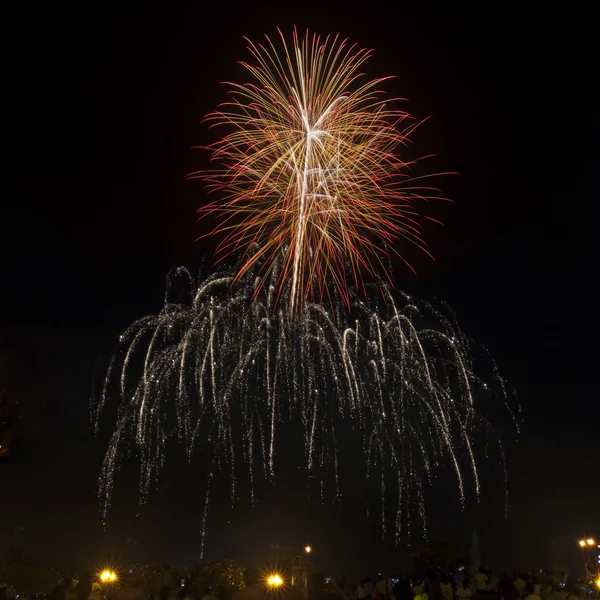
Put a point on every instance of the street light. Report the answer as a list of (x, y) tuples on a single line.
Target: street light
[(108, 576), (308, 549), (275, 580), (582, 543), (591, 541)]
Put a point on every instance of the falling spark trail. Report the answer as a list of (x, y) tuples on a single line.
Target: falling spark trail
[(227, 370), (205, 515)]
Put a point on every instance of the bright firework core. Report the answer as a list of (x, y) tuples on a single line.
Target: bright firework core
[(311, 166)]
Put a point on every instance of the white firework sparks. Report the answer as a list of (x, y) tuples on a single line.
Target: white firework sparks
[(226, 372)]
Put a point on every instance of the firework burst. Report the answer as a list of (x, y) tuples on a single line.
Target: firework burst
[(312, 192), (225, 371), (310, 164)]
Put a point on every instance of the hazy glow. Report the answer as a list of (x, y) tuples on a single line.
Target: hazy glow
[(108, 576), (274, 580)]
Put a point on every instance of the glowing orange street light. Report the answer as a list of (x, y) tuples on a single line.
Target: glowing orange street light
[(275, 580), (308, 549), (108, 576), (591, 542), (582, 543)]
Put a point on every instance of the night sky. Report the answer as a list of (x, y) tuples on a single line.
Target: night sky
[(104, 105)]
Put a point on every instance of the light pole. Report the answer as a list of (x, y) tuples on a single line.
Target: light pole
[(300, 571), (307, 552), (591, 562)]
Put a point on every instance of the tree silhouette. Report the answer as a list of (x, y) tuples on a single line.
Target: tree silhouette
[(19, 572)]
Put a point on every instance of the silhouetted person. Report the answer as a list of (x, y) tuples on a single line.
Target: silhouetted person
[(402, 590), (382, 588), (419, 593), (529, 592), (481, 582), (446, 587), (508, 589), (492, 581), (432, 586), (520, 583), (397, 590), (463, 591)]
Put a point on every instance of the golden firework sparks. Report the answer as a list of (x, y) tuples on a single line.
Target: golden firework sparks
[(311, 168)]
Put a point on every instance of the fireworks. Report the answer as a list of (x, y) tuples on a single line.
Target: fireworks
[(310, 164), (314, 192), (226, 371)]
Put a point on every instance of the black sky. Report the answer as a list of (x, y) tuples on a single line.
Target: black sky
[(104, 104)]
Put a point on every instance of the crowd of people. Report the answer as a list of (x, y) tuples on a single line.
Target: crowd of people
[(461, 585)]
